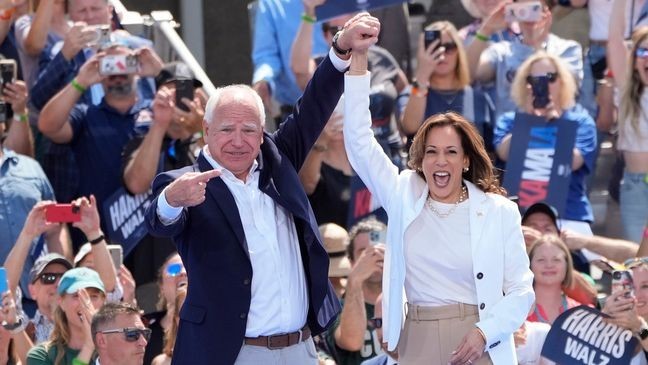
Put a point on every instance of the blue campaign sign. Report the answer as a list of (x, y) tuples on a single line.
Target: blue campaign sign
[(580, 336), (539, 164), (125, 216), (333, 8)]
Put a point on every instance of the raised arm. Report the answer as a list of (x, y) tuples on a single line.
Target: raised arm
[(480, 68), (301, 62), (19, 138), (617, 52), (40, 26)]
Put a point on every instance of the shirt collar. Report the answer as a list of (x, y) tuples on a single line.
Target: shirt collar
[(139, 105), (253, 174), (8, 155)]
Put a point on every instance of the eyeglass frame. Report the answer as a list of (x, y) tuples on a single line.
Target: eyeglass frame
[(634, 262), (146, 332), (641, 52), (173, 274), (551, 77), (41, 277)]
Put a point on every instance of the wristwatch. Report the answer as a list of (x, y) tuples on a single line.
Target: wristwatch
[(337, 48), (643, 332)]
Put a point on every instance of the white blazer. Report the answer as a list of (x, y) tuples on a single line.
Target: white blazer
[(500, 263)]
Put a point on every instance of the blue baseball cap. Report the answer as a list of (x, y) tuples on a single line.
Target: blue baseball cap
[(79, 278)]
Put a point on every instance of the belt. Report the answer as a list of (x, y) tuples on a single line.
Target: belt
[(602, 42), (275, 342)]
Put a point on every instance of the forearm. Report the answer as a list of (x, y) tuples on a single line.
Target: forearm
[(617, 52), (577, 159), (474, 51), (20, 138), (504, 147), (22, 344), (15, 261), (58, 241), (614, 249), (37, 36), (413, 114), (300, 54), (56, 112), (309, 175), (141, 170), (353, 320), (103, 262)]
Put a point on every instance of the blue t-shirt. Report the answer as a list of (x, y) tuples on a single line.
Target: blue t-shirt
[(578, 207), (99, 136)]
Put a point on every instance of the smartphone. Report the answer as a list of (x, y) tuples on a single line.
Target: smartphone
[(8, 71), (4, 285), (540, 90), (62, 213), (101, 35), (430, 36), (117, 255), (622, 281), (184, 88), (118, 65), (376, 237), (523, 12)]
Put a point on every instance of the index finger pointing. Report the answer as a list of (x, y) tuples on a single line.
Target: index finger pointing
[(207, 175)]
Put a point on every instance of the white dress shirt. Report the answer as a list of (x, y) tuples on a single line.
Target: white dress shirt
[(279, 296)]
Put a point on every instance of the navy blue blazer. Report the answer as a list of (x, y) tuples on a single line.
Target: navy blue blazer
[(211, 240)]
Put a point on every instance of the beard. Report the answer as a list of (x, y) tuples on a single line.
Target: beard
[(120, 90)]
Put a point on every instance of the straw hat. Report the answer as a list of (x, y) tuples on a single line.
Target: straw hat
[(336, 240)]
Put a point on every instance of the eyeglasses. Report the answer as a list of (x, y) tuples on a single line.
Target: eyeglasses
[(550, 76), (635, 261), (174, 269), (641, 52), (49, 278), (332, 29), (375, 322), (131, 334), (449, 47)]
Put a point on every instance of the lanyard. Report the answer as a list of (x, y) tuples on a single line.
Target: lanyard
[(541, 318)]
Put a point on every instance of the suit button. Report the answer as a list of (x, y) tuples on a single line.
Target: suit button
[(246, 282), (480, 276), (243, 315), (493, 345), (482, 306)]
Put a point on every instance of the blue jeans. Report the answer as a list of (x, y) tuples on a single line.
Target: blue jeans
[(634, 205)]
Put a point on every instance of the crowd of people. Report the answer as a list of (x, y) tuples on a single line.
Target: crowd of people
[(369, 224)]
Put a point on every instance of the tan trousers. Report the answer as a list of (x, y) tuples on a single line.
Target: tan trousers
[(432, 333)]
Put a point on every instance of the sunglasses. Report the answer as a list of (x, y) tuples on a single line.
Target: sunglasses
[(131, 334), (449, 47), (332, 29), (174, 269), (641, 52), (550, 76), (635, 261), (49, 278), (375, 322)]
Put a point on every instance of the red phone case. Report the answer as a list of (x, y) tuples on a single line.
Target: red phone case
[(62, 213)]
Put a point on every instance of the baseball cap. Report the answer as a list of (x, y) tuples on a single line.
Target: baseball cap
[(43, 261), (83, 252), (173, 71), (79, 278), (545, 208), (336, 240)]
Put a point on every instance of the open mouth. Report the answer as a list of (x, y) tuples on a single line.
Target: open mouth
[(441, 178)]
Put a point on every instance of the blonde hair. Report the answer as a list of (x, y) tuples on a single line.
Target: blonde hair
[(480, 171), (461, 71), (554, 240), (519, 89), (630, 103)]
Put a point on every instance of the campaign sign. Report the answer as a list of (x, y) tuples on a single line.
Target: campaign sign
[(362, 204), (539, 164), (333, 8), (580, 336), (124, 214)]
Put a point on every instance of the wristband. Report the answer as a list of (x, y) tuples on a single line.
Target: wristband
[(308, 19), (97, 240), (482, 37), (417, 90), (76, 361), (75, 84), (6, 14), (20, 117)]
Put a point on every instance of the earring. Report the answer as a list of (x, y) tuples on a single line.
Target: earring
[(465, 169)]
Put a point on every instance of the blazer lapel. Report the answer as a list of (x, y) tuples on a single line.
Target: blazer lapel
[(225, 200), (479, 206)]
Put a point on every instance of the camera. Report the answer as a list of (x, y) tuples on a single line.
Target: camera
[(118, 65), (540, 90), (523, 12), (101, 35), (429, 36)]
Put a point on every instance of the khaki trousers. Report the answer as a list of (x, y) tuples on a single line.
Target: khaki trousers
[(432, 333)]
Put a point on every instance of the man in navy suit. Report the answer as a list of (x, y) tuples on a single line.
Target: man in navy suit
[(257, 271)]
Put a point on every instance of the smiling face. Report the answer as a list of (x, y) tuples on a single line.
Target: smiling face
[(45, 294), (443, 162), (640, 282), (549, 265), (235, 133), (173, 278), (115, 349), (641, 63)]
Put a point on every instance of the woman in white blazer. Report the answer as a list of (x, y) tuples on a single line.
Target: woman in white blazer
[(455, 260)]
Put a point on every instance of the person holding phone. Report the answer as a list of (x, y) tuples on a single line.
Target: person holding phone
[(442, 83), (543, 86), (455, 255)]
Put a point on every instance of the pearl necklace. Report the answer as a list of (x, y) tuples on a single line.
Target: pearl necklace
[(462, 197)]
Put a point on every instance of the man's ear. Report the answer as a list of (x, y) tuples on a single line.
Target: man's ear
[(100, 340)]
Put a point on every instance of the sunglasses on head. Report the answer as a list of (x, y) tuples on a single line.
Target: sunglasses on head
[(375, 322), (131, 334), (550, 76), (641, 52), (49, 278), (174, 269), (332, 29), (635, 261)]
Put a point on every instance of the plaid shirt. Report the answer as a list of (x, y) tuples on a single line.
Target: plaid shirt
[(43, 326)]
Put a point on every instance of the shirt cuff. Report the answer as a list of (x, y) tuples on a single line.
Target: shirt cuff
[(165, 211), (340, 64)]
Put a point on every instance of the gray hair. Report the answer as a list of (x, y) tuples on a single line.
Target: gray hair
[(233, 89)]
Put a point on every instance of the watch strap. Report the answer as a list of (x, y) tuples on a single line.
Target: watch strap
[(337, 48), (643, 333)]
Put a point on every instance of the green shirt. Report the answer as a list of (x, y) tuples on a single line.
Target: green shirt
[(44, 354), (370, 348)]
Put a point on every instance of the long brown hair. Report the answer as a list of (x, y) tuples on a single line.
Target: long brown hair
[(172, 332), (60, 336), (630, 104), (480, 171)]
